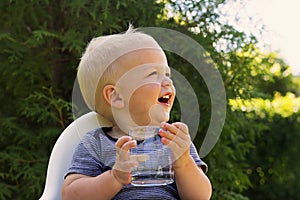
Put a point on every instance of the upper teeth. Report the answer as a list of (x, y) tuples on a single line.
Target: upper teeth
[(166, 96)]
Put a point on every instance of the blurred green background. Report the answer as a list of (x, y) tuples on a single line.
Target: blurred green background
[(42, 41)]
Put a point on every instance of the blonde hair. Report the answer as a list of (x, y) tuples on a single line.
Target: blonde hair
[(95, 67)]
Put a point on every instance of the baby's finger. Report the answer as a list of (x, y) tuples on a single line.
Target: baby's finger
[(121, 141), (140, 157), (123, 152), (173, 128), (128, 145), (166, 134), (171, 131), (125, 166), (181, 126), (168, 137)]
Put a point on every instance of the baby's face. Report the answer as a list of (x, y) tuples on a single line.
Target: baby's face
[(146, 87)]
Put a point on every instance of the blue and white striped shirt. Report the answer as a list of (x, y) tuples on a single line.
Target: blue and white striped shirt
[(96, 153)]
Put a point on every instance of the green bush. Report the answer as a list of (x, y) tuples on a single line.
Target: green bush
[(41, 44)]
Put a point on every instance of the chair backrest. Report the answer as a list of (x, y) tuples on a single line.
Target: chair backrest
[(61, 155)]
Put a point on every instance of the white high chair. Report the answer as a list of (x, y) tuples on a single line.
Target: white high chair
[(61, 155)]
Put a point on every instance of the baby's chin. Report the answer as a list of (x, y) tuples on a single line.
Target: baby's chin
[(154, 118), (151, 121), (158, 115)]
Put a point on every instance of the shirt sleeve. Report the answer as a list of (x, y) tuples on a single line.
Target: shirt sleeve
[(197, 159), (84, 159)]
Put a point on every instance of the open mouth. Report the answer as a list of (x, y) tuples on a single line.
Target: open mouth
[(164, 99)]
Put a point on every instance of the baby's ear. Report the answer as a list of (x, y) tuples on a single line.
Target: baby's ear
[(112, 97)]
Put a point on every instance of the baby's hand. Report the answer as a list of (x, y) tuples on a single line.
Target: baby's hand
[(122, 167), (176, 136)]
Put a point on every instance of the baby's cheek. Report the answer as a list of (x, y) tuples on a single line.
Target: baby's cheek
[(140, 116), (141, 103)]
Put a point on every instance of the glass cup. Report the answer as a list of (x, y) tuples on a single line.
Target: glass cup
[(155, 159)]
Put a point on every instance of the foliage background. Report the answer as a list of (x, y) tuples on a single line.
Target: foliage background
[(41, 44)]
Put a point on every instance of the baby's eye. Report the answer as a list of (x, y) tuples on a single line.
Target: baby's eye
[(153, 73), (168, 75)]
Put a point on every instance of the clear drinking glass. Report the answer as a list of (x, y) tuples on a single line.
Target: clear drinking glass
[(155, 159)]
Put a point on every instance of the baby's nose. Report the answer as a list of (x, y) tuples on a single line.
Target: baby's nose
[(167, 82)]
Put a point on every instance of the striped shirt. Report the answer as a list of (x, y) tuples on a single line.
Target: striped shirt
[(96, 154)]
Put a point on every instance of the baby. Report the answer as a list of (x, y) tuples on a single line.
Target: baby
[(125, 78)]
